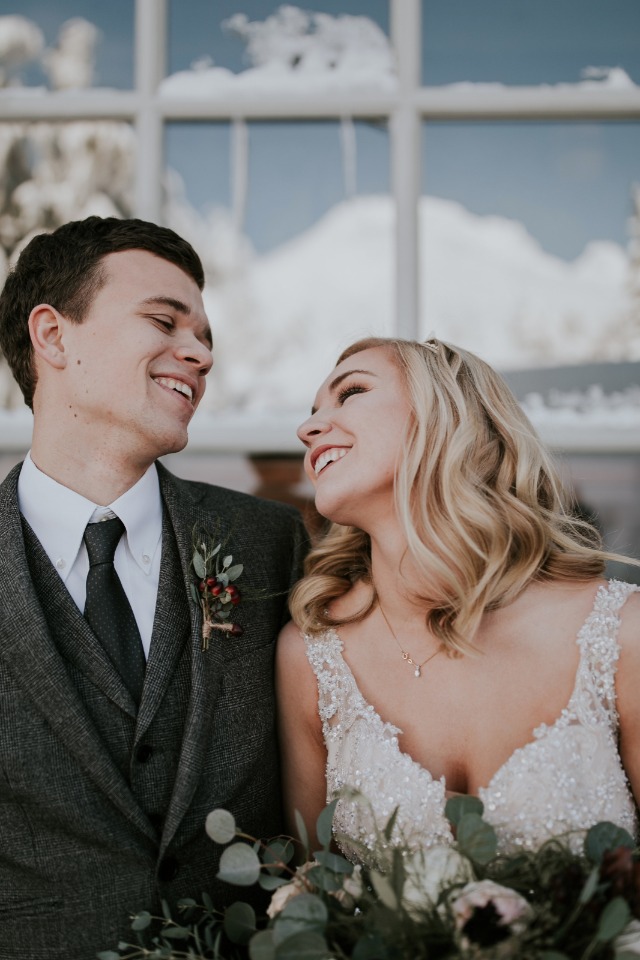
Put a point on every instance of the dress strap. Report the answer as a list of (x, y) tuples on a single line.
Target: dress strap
[(337, 694), (598, 641)]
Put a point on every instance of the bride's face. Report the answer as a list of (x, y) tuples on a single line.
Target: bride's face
[(354, 438)]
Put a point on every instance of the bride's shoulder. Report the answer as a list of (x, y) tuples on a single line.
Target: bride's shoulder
[(629, 634)]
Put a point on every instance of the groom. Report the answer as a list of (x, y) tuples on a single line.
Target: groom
[(118, 733)]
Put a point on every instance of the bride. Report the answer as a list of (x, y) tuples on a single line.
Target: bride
[(453, 633)]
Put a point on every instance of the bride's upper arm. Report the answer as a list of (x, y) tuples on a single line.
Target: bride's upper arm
[(302, 749), (627, 687)]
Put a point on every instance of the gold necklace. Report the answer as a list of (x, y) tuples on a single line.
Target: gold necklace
[(405, 654)]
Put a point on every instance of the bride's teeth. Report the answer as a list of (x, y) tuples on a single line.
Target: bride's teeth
[(329, 456)]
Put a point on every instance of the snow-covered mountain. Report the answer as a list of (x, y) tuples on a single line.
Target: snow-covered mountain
[(486, 285)]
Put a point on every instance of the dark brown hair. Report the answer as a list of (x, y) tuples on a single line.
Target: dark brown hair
[(64, 269)]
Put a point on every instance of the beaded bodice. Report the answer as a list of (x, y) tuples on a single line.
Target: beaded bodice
[(568, 777)]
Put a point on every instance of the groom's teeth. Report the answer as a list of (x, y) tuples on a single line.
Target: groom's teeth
[(176, 385), (336, 453)]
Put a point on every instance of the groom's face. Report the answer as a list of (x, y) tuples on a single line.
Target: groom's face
[(136, 365)]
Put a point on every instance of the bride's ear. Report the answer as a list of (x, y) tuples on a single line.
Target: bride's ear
[(46, 327)]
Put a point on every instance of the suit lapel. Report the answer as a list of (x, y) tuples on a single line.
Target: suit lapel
[(184, 515), (33, 659), (169, 634)]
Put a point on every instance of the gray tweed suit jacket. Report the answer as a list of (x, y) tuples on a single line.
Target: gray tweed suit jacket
[(102, 808)]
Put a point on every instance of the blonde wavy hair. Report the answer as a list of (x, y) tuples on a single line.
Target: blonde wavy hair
[(478, 497)]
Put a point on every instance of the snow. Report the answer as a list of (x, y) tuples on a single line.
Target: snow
[(281, 320), (295, 51)]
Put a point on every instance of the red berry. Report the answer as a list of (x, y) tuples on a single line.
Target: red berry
[(211, 581), (201, 585), (236, 630), (235, 600), (216, 590), (232, 590)]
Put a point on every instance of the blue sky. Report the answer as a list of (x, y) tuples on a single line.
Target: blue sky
[(568, 183)]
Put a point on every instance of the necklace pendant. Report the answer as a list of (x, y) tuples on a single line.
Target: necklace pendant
[(416, 672)]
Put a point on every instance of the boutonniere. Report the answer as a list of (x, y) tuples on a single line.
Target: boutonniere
[(215, 589)]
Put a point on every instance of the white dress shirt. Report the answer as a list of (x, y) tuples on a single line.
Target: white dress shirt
[(58, 517)]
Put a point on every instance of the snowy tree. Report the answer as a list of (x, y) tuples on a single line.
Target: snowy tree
[(55, 172)]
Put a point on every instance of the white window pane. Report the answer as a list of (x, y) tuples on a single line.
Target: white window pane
[(518, 43), (299, 265), (525, 233), (67, 44), (201, 35)]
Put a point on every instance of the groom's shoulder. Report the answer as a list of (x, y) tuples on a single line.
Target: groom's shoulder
[(213, 498)]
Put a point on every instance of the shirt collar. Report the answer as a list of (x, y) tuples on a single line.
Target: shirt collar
[(58, 516)]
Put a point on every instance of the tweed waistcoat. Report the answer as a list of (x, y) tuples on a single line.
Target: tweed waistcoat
[(149, 763)]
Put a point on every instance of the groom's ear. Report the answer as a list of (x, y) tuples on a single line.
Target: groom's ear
[(46, 327)]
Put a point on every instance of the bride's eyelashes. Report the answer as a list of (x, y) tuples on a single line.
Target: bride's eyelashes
[(349, 391)]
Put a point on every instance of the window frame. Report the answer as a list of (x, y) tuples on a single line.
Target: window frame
[(406, 110)]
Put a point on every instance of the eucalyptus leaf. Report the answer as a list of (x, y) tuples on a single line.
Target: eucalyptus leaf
[(269, 882), (215, 550), (476, 839), (305, 945), (324, 879), (141, 920), (239, 864), (457, 807), (370, 947), (390, 824), (324, 823), (301, 829), (305, 913), (262, 946), (276, 854), (605, 836), (590, 886), (613, 919), (228, 560), (308, 908), (234, 572), (175, 933), (199, 565), (333, 861), (166, 910), (220, 825), (223, 579), (195, 596), (625, 955), (384, 889), (239, 922), (207, 901)]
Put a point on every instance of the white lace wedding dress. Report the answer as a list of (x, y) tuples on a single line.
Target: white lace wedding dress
[(567, 778)]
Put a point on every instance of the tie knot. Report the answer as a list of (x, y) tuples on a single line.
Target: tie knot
[(102, 539)]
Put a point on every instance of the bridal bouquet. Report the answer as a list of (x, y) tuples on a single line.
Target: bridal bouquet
[(445, 902)]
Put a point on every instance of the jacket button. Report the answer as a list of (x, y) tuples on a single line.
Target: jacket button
[(168, 869), (143, 752)]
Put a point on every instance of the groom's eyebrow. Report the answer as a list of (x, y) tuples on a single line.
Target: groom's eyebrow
[(335, 383)]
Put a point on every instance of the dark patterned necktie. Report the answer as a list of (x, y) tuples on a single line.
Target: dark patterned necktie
[(107, 610)]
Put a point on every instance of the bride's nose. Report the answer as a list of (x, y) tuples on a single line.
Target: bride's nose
[(313, 427)]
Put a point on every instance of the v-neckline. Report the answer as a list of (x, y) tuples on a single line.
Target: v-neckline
[(538, 733)]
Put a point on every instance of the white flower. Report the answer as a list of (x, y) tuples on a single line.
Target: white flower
[(351, 889), (281, 895), (512, 909), (428, 872), (629, 939)]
